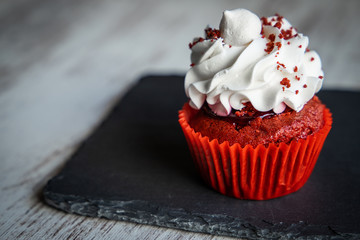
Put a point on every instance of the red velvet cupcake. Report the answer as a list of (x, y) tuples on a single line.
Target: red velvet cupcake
[(253, 123)]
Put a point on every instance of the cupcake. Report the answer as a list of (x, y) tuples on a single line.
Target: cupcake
[(253, 123)]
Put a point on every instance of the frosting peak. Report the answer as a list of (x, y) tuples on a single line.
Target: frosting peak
[(239, 27), (265, 62)]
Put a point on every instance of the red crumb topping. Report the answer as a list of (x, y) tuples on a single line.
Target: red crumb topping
[(284, 34), (305, 86), (279, 18), (280, 64), (193, 64), (296, 92), (287, 34), (297, 78), (321, 77), (286, 82), (230, 46), (212, 33), (312, 59), (195, 42), (288, 43), (269, 47), (265, 22), (307, 50), (278, 25), (272, 37), (300, 46), (295, 69), (278, 44), (283, 88)]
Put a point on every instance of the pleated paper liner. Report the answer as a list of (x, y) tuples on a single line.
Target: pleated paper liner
[(254, 173)]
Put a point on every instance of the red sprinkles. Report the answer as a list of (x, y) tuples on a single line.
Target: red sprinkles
[(284, 34), (278, 25), (279, 18), (212, 33), (195, 42), (278, 44), (272, 37), (321, 77), (265, 22), (280, 65), (287, 34), (286, 82), (269, 47)]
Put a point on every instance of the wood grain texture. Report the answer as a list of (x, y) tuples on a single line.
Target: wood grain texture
[(64, 63)]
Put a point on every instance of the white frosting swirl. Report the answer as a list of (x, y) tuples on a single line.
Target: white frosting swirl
[(227, 71)]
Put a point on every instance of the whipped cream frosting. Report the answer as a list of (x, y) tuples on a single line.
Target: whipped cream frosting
[(264, 61)]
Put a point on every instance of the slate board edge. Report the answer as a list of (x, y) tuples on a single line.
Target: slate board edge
[(144, 212)]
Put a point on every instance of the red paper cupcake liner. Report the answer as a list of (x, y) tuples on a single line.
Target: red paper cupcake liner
[(259, 173)]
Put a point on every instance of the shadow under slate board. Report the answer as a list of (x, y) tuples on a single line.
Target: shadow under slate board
[(137, 167)]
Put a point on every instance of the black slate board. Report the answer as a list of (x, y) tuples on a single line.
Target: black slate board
[(136, 167)]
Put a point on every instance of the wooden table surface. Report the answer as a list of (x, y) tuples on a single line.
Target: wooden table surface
[(63, 64)]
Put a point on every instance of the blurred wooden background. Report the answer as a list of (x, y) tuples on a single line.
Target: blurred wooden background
[(63, 64)]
